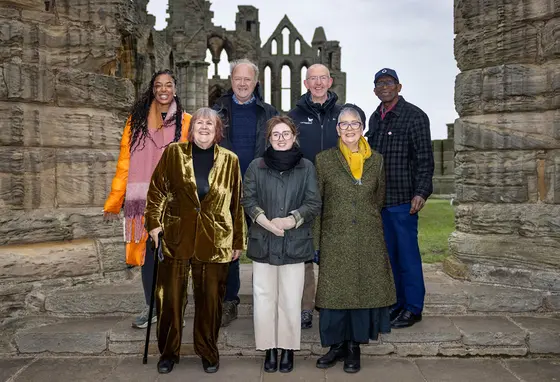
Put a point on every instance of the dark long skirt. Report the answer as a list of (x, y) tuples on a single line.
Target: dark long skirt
[(358, 325)]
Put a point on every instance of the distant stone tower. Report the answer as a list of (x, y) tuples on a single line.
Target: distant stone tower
[(286, 53)]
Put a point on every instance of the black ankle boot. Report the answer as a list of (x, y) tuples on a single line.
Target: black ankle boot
[(271, 360), (286, 361), (352, 360), (210, 368), (335, 354)]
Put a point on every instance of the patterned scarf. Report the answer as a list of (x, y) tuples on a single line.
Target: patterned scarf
[(143, 161), (356, 160)]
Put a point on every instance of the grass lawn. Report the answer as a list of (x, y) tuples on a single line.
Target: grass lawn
[(435, 225)]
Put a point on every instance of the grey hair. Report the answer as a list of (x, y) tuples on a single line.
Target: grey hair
[(349, 110), (236, 63)]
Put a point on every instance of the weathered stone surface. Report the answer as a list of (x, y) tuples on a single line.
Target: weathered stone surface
[(68, 337), (52, 260), (496, 176), (452, 350), (550, 39), (417, 349), (506, 250), (430, 329), (463, 370), (520, 131), (104, 299), (376, 370), (502, 299), (545, 280), (474, 14), (544, 334), (44, 225), (507, 88), (243, 336), (9, 367), (527, 220), (26, 82), (48, 126), (495, 46), (88, 369), (112, 252), (12, 299), (489, 330), (77, 88), (553, 302), (535, 370)]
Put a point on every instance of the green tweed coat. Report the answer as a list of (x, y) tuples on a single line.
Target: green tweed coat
[(354, 270)]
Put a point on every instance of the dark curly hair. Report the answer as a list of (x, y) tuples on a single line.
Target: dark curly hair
[(139, 113)]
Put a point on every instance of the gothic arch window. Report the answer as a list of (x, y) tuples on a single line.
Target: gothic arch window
[(268, 84), (285, 41), (297, 47), (171, 62), (303, 77), (274, 47), (319, 52), (212, 68), (286, 80), (223, 66)]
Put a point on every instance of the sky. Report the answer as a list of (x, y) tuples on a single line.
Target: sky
[(414, 37)]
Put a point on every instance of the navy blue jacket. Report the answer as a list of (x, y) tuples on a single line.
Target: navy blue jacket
[(316, 124)]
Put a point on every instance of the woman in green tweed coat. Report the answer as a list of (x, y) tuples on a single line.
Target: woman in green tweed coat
[(356, 286)]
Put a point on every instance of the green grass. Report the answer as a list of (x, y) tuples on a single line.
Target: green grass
[(435, 225)]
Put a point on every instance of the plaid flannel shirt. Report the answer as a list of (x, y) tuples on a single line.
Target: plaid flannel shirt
[(403, 138)]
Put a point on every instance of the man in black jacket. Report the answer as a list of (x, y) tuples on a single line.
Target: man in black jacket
[(315, 115), (245, 115), (400, 132)]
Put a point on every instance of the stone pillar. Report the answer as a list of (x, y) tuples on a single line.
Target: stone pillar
[(190, 98), (507, 143), (182, 83), (200, 69)]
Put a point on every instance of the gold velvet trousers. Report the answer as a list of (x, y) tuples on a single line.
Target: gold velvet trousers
[(209, 288)]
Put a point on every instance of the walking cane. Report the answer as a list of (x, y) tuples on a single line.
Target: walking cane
[(158, 256)]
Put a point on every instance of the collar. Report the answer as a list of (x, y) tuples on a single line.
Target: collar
[(262, 163), (253, 99), (397, 109)]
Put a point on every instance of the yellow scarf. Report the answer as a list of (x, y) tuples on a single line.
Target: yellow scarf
[(356, 160)]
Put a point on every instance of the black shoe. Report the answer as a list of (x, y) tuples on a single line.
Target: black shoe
[(208, 368), (352, 360), (271, 360), (336, 353), (306, 319), (286, 361), (229, 313), (165, 366), (394, 313), (406, 319)]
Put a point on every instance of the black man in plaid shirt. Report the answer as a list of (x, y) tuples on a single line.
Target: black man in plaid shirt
[(400, 132)]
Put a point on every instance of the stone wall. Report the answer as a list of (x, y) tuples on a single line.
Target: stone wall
[(67, 78), (507, 142)]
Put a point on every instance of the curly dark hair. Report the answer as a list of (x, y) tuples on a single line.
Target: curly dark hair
[(139, 113)]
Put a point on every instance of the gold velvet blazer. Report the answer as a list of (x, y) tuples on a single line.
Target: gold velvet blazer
[(209, 230)]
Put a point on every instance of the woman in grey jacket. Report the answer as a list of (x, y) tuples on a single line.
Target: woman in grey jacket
[(280, 196)]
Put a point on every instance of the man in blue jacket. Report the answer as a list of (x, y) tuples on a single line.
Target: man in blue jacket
[(245, 115), (316, 116)]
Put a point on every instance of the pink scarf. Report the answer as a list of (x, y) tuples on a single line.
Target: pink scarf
[(143, 161)]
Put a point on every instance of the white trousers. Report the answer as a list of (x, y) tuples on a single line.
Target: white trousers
[(277, 292)]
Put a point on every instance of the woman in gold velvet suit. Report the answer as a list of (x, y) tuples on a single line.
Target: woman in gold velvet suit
[(194, 198)]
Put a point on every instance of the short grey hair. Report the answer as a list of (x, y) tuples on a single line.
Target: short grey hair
[(353, 112), (244, 61)]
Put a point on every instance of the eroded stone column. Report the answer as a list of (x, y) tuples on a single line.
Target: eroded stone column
[(507, 143)]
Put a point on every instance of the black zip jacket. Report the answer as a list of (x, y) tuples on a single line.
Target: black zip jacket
[(316, 124), (264, 113)]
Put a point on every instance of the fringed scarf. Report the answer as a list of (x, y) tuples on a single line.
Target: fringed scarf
[(143, 161), (356, 160)]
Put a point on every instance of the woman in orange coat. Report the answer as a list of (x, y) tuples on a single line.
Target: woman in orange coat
[(157, 119)]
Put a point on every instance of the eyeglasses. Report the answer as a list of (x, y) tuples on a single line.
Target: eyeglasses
[(285, 134), (346, 125), (318, 78), (381, 84)]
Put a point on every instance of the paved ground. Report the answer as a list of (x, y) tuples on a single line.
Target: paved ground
[(84, 369)]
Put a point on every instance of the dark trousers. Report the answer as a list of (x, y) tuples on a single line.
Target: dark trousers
[(209, 286), (148, 271), (357, 325), (401, 237)]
